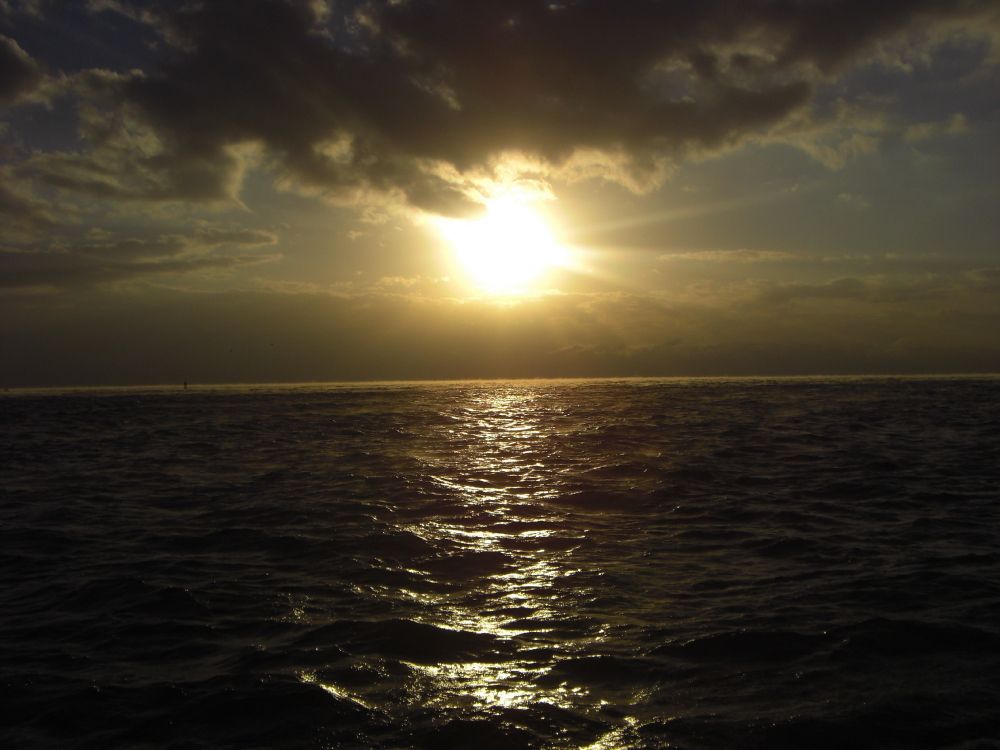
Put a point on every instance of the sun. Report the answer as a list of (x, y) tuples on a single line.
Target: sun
[(507, 250)]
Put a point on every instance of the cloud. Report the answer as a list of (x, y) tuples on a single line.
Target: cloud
[(58, 271), (171, 245), (844, 130), (99, 259), (740, 255), (21, 212), (169, 336), (124, 159), (422, 102), (876, 290), (957, 124), (854, 200), (19, 74), (27, 7)]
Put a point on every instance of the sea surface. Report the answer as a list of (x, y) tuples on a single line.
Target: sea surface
[(750, 563)]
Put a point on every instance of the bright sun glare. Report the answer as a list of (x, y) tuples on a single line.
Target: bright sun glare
[(507, 250)]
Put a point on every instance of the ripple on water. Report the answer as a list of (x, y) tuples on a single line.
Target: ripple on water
[(605, 564)]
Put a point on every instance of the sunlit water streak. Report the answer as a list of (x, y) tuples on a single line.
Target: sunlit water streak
[(698, 564)]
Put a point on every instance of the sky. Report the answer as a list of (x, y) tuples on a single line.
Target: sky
[(300, 190)]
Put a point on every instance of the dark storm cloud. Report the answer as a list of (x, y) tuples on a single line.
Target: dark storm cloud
[(406, 98), (19, 74)]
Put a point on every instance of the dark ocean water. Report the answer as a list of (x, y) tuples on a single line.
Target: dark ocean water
[(684, 564)]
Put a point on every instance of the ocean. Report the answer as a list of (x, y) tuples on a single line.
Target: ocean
[(692, 563)]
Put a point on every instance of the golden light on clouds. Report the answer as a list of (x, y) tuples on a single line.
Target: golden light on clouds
[(508, 250)]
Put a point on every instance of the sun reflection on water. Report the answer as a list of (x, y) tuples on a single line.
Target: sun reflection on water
[(503, 566), (494, 461)]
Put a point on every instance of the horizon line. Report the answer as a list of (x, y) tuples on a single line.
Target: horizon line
[(203, 385)]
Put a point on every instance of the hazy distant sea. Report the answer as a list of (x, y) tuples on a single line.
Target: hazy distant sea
[(798, 564)]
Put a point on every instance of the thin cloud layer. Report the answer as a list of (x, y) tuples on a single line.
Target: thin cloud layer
[(99, 259), (267, 337), (22, 213)]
